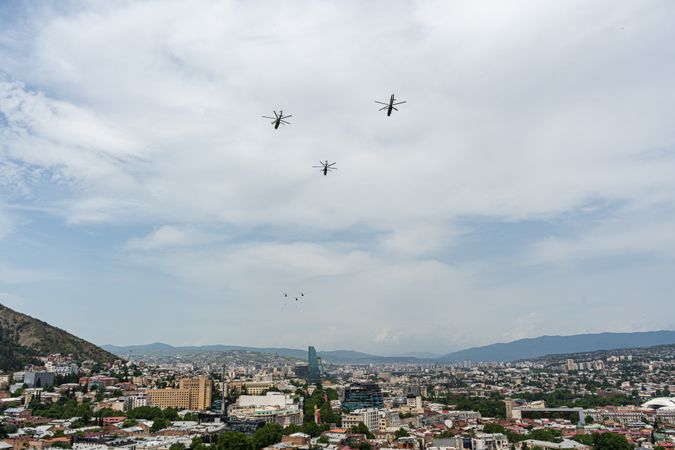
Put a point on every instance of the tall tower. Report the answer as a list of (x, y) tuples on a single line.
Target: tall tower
[(314, 375)]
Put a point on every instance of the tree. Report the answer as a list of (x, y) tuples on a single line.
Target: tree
[(493, 428), (159, 424), (267, 435), (610, 441), (361, 428), (401, 432), (234, 441), (129, 423), (545, 434), (177, 446), (586, 439), (191, 417)]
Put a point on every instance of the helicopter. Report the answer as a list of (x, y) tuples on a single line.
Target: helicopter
[(326, 167), (278, 119), (390, 106)]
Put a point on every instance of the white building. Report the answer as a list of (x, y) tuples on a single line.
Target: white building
[(135, 401), (486, 441), (369, 416), (275, 407), (414, 402)]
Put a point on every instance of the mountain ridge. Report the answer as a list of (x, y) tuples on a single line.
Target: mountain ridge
[(527, 348)]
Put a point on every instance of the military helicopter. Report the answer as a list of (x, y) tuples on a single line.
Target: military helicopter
[(326, 167), (390, 106), (278, 119)]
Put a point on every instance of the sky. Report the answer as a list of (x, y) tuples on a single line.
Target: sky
[(526, 188)]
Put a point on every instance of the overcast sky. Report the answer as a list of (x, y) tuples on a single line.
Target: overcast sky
[(526, 188)]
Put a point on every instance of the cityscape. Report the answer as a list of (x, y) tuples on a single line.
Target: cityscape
[(608, 399), (337, 225)]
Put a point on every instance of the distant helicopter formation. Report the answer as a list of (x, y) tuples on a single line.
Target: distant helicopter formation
[(298, 298), (325, 166)]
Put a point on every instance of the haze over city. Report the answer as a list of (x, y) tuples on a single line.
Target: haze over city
[(526, 187)]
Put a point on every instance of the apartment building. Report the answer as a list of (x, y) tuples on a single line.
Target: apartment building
[(193, 393)]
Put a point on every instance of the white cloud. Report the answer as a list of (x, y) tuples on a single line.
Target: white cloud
[(609, 240), (168, 236), (385, 335)]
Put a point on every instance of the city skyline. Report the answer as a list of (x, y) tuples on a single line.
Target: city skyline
[(526, 188)]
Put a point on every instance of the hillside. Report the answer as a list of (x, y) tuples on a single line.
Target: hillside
[(550, 345), (22, 337)]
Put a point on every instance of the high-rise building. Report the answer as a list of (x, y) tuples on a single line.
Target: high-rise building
[(570, 365), (363, 395), (200, 390), (314, 375), (193, 393)]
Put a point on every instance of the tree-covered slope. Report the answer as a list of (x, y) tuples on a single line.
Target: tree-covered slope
[(22, 337)]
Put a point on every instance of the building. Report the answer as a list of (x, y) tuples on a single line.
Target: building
[(274, 407), (314, 371), (489, 441), (136, 401), (414, 403), (249, 387), (363, 395), (463, 415), (193, 393), (200, 390), (296, 439), (5, 380), (38, 379), (369, 416), (301, 371), (389, 420)]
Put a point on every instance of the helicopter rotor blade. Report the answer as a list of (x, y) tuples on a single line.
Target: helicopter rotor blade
[(382, 109), (405, 101), (394, 108), (276, 115), (286, 117), (267, 117), (382, 103)]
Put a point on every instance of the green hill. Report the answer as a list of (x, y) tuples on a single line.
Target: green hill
[(23, 337)]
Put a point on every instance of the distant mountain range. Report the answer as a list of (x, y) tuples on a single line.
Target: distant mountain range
[(336, 356), (504, 352), (551, 345), (22, 338)]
